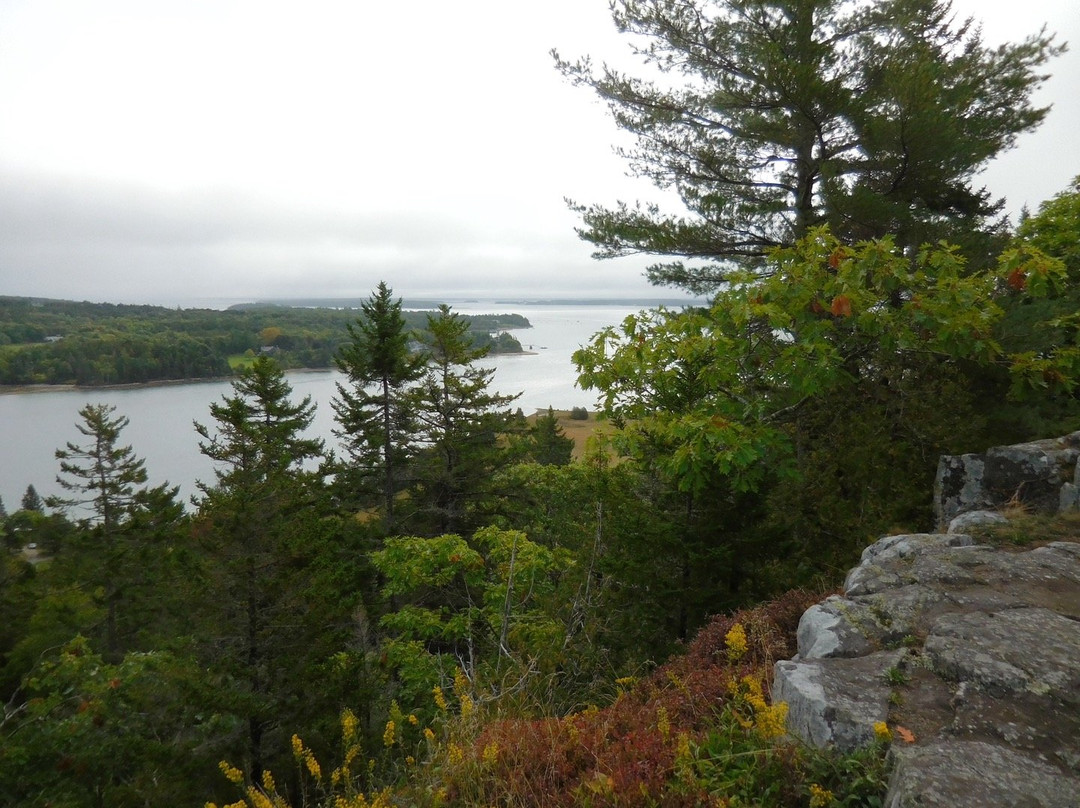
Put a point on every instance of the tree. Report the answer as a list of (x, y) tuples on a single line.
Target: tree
[(482, 606), (460, 421), (91, 733), (548, 443), (771, 117), (31, 501), (259, 512), (772, 390), (109, 479), (101, 474), (376, 423)]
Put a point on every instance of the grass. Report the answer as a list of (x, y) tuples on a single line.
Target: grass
[(578, 431), (1029, 530)]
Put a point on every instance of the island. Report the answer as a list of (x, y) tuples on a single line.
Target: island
[(60, 342)]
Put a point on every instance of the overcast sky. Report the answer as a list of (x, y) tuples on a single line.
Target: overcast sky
[(173, 152)]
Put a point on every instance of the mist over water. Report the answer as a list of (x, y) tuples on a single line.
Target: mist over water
[(161, 431)]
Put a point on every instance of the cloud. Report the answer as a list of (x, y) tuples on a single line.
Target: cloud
[(92, 239)]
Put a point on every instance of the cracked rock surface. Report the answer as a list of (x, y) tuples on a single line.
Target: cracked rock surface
[(975, 649)]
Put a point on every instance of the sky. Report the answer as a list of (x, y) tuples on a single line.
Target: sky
[(157, 151)]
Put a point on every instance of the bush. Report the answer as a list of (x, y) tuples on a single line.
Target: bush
[(579, 414)]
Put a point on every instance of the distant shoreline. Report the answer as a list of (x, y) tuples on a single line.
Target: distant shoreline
[(19, 389)]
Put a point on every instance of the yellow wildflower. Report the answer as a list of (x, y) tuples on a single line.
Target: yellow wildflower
[(413, 720), (491, 754), (410, 760), (820, 797), (297, 747), (388, 734), (455, 754), (735, 640), (771, 722), (663, 724), (429, 734), (312, 764), (882, 732), (349, 724), (232, 774), (258, 799), (440, 699), (268, 783)]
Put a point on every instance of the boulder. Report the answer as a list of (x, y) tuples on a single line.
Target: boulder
[(836, 704), (950, 773), (1041, 476)]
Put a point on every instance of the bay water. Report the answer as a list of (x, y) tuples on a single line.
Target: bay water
[(34, 424)]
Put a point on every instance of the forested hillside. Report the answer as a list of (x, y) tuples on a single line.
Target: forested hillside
[(64, 342)]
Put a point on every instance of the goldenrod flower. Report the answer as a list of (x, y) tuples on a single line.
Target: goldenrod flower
[(297, 747), (491, 754), (663, 724), (232, 774), (349, 723), (429, 734), (268, 782), (820, 797), (440, 699), (388, 734), (312, 764), (413, 719), (771, 722), (735, 640), (455, 754), (882, 732), (258, 799)]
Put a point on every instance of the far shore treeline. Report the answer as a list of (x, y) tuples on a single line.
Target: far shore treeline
[(45, 341)]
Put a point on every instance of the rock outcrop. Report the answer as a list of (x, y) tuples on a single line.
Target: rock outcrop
[(1041, 476), (974, 649)]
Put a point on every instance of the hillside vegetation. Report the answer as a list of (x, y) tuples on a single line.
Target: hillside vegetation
[(46, 341)]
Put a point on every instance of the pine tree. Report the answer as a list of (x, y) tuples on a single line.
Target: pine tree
[(771, 117)]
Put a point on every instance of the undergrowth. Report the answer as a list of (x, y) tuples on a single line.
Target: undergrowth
[(1028, 529), (698, 731)]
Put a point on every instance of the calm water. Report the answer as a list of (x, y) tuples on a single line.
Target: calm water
[(34, 425)]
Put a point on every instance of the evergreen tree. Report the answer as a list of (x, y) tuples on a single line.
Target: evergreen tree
[(372, 410), (110, 480), (31, 500), (262, 501), (771, 117), (549, 445), (460, 422)]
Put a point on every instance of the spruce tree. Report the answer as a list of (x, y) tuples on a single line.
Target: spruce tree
[(264, 497), (375, 421), (460, 421)]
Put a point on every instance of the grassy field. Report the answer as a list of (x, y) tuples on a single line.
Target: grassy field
[(579, 431)]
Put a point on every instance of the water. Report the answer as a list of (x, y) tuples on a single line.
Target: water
[(161, 431)]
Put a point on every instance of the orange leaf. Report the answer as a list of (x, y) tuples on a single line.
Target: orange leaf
[(841, 306), (1017, 279), (905, 734), (837, 255)]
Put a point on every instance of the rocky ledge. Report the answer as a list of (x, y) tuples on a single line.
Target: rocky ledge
[(973, 650)]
